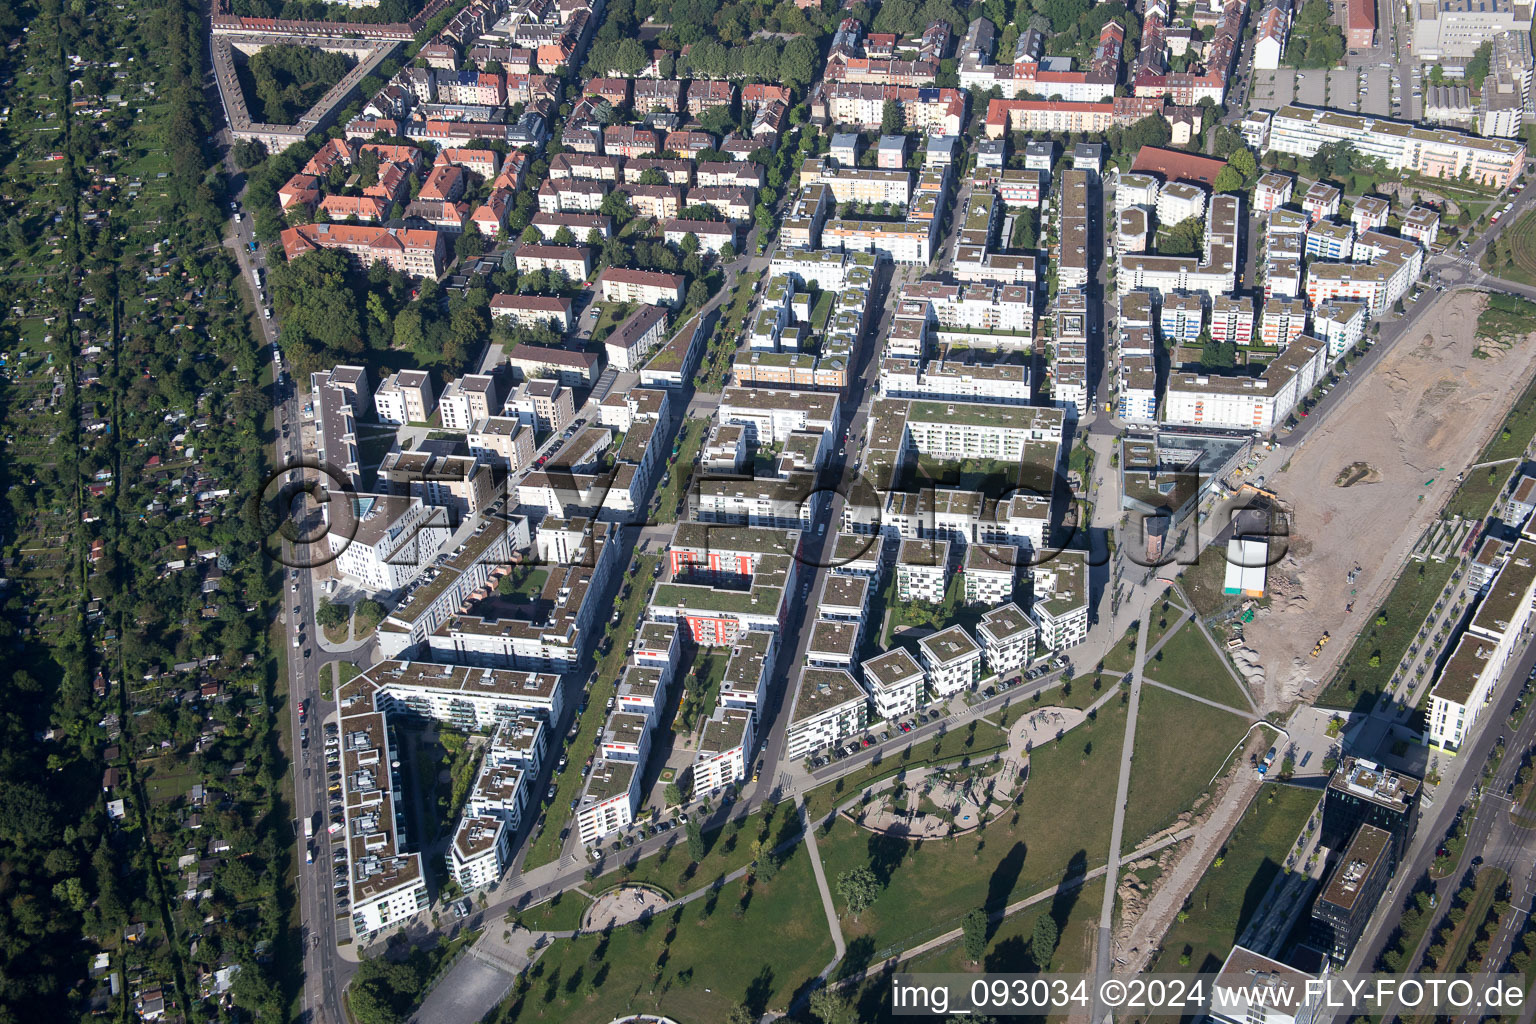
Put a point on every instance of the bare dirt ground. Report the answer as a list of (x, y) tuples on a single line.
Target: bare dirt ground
[(1429, 404)]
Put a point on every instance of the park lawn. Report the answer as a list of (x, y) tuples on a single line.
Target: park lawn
[(1076, 913), (952, 746), (712, 961), (560, 913), (545, 845), (1059, 829), (671, 871), (1180, 745), (1122, 657), (1357, 683), (1205, 581), (1189, 662), (1227, 896), (528, 585)]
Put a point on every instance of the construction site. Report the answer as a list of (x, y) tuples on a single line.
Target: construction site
[(1361, 491)]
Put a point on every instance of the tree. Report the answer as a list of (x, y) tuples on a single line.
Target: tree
[(859, 888), (698, 293), (890, 118), (1042, 943), (695, 836), (825, 1002), (740, 1014), (727, 252), (331, 616), (1228, 180), (975, 928), (673, 794)]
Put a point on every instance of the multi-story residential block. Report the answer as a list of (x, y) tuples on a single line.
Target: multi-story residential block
[(405, 397), (1330, 240), (468, 400), (1340, 324), (1247, 403), (617, 284), (384, 541), (922, 571), (461, 484), (951, 661), (989, 571), (770, 415), (1273, 189), (533, 310), (1232, 319), (1390, 267), (420, 252), (1007, 639), (574, 261), (1321, 202), (724, 750), (1421, 224), (896, 683), (1432, 152), (1370, 213), (1493, 637), (1284, 321), (631, 343), (1179, 201), (1059, 605), (504, 439), (830, 707)]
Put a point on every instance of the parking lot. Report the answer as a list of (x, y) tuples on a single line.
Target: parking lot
[(1365, 90)]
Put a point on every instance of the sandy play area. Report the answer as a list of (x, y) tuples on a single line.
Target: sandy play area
[(1428, 404)]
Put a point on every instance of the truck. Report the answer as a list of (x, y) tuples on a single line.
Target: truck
[(309, 827), (1269, 759)]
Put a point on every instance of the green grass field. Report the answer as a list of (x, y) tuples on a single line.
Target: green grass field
[(1521, 236), (1060, 829), (1227, 896), (1189, 662), (691, 964), (727, 849), (560, 913), (1180, 745)]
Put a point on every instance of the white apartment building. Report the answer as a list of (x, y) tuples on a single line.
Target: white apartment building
[(609, 800), (1007, 639), (1493, 638), (988, 572), (1060, 602), (896, 682), (771, 415), (1179, 201), (1247, 403), (1340, 324), (922, 568), (479, 852), (747, 671), (951, 661), (830, 707), (385, 541), (1433, 152), (724, 751), (503, 439), (466, 401), (405, 397)]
